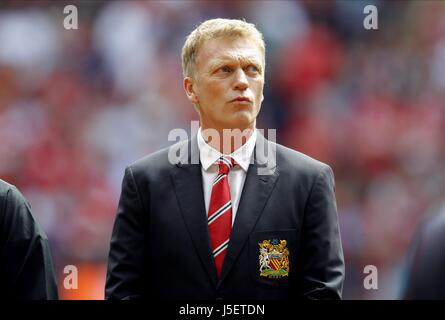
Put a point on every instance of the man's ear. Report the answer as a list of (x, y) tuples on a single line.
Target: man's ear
[(190, 90)]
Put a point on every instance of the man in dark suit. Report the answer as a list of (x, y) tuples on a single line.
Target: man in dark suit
[(425, 277), (220, 216), (26, 269)]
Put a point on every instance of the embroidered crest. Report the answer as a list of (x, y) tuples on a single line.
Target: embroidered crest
[(274, 258)]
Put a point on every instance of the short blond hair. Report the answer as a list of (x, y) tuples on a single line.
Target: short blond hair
[(215, 28)]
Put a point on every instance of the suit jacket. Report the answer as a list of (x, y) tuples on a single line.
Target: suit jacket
[(160, 246), (425, 275), (26, 268)]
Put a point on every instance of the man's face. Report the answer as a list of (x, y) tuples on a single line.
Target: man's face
[(228, 83)]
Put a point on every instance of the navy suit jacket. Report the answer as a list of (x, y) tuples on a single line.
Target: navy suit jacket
[(160, 246), (424, 277), (26, 266)]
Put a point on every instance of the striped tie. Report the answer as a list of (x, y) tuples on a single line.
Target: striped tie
[(220, 212)]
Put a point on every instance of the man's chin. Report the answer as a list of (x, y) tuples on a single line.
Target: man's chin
[(240, 123)]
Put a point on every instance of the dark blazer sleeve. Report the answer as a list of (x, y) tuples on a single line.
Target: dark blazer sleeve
[(423, 277), (127, 261), (323, 269), (26, 267)]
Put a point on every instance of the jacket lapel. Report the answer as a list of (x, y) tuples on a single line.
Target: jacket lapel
[(260, 181), (187, 181)]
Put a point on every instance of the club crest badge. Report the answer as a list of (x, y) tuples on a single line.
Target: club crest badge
[(274, 258)]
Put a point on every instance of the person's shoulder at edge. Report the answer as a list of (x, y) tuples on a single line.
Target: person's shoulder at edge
[(5, 187), (10, 197), (15, 210)]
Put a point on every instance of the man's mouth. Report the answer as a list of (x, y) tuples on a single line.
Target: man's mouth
[(241, 99)]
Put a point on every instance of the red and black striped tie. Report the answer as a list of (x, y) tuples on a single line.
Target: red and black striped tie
[(220, 212)]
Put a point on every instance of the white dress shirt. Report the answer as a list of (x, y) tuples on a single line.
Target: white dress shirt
[(242, 156)]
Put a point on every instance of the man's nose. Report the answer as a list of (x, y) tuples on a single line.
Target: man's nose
[(241, 82)]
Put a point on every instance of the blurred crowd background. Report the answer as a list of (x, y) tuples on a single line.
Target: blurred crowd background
[(78, 106)]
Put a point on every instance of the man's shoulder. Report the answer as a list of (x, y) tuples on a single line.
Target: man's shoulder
[(161, 160), (433, 227), (5, 188), (13, 207), (287, 160), (9, 193), (291, 160)]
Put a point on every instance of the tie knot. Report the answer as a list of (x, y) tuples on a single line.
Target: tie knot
[(225, 164)]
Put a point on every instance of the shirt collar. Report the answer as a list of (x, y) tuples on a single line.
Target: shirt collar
[(242, 156)]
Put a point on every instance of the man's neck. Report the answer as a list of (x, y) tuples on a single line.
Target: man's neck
[(226, 141)]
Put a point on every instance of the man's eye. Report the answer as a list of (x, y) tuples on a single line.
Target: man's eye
[(253, 68), (225, 69)]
